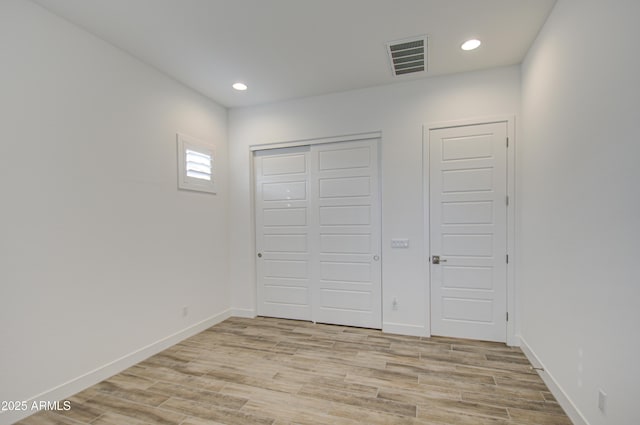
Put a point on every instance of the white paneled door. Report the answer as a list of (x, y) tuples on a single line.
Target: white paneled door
[(282, 233), (318, 233), (468, 231), (346, 220)]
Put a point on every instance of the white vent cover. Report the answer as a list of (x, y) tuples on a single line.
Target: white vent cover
[(408, 56)]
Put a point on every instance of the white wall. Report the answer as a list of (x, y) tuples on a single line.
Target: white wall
[(399, 111), (99, 251), (580, 205)]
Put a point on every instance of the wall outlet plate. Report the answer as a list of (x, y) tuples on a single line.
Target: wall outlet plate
[(602, 400), (399, 243)]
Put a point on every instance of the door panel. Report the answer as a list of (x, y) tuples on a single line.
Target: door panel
[(475, 212), (465, 277), (287, 191), (286, 164), (354, 301), (344, 187), (467, 180), (345, 244), (286, 269), (284, 243), (472, 310), (282, 233), (344, 159), (468, 230), (285, 217), (318, 233), (345, 183), (286, 293), (467, 147), (472, 245), (347, 215), (353, 271)]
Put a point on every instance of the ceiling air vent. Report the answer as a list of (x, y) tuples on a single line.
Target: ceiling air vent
[(408, 56)]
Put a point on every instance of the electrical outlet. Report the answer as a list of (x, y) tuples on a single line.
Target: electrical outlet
[(394, 305), (602, 400), (399, 243), (185, 311)]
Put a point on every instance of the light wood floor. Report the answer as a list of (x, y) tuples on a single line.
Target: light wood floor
[(283, 372)]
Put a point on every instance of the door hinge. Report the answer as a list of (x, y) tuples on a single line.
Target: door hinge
[(507, 316), (507, 200), (507, 258), (507, 142)]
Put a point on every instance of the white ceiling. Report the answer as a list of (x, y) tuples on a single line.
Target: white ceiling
[(285, 49)]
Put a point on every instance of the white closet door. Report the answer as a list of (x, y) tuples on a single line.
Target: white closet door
[(468, 225), (282, 233), (345, 218)]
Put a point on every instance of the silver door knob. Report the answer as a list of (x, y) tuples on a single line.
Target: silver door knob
[(437, 260), (376, 258)]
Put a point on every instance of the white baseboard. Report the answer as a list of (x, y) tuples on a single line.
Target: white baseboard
[(513, 341), (404, 329), (103, 372), (571, 410), (243, 312)]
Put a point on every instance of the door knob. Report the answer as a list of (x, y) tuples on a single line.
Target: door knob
[(376, 258), (259, 255), (436, 260)]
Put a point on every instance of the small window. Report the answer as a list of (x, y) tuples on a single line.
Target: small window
[(196, 165)]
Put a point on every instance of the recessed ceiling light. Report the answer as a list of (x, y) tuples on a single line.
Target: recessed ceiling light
[(240, 86), (471, 44)]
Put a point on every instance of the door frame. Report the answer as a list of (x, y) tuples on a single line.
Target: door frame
[(309, 142), (512, 323)]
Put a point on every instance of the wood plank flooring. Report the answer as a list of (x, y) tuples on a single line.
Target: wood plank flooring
[(282, 372)]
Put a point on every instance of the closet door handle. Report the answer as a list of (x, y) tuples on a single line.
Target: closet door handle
[(437, 260)]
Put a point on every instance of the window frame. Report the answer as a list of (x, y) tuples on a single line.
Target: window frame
[(186, 182)]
